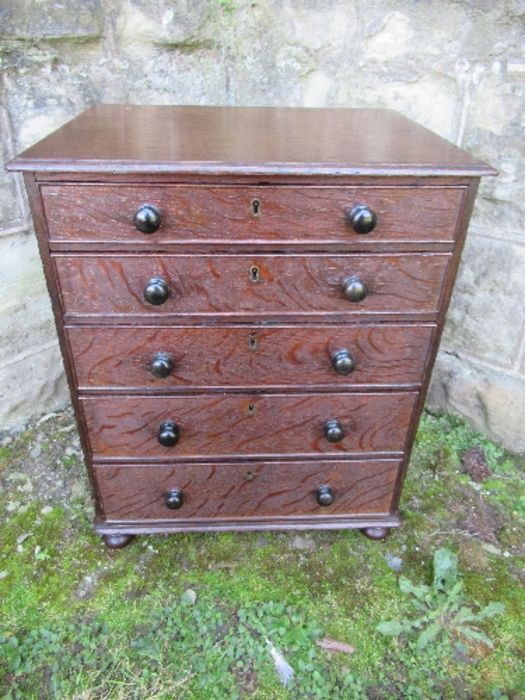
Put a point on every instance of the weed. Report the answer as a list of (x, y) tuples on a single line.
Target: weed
[(78, 621), (207, 650), (441, 608)]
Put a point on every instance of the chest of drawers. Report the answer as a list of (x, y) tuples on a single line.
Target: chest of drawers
[(249, 303)]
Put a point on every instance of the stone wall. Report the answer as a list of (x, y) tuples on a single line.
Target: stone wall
[(455, 66)]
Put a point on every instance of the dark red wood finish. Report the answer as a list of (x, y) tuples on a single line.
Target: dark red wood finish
[(246, 490), (252, 377), (222, 286), (249, 215), (246, 141), (218, 358), (248, 424)]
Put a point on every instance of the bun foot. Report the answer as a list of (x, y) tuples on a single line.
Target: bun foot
[(117, 541), (375, 533)]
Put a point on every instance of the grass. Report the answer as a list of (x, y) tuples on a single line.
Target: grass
[(193, 616)]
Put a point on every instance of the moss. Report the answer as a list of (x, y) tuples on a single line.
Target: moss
[(5, 453), (101, 605)]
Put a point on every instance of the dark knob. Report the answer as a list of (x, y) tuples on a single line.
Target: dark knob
[(162, 365), (354, 289), (174, 498), (333, 430), (361, 218), (156, 291), (147, 219), (325, 496), (343, 362), (168, 433)]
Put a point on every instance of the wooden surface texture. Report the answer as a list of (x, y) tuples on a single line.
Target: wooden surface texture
[(246, 490), (234, 425), (255, 308), (230, 140), (289, 357), (221, 286), (225, 215)]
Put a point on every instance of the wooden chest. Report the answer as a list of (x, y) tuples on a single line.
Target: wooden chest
[(249, 303)]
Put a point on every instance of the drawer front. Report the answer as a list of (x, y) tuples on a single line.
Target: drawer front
[(242, 286), (258, 357), (240, 215), (239, 424), (251, 490)]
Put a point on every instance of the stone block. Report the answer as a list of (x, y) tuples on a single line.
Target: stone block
[(31, 370), (26, 319), (41, 99), (487, 314), (48, 19), (494, 131), (11, 211), (32, 386), (142, 24), (493, 401), (394, 38)]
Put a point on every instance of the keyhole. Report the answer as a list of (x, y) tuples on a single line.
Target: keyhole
[(253, 343), (249, 476), (254, 273), (256, 207), (251, 408)]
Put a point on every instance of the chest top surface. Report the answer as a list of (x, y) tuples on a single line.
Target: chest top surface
[(246, 140), (244, 351)]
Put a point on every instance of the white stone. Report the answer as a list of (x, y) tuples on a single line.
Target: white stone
[(394, 38), (492, 401), (316, 89), (487, 315)]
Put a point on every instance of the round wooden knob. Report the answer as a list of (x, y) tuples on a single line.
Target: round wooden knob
[(162, 365), (354, 289), (361, 218), (343, 362), (156, 291), (168, 434), (325, 496), (333, 430), (147, 218), (174, 498)]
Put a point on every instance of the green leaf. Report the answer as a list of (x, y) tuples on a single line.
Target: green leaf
[(476, 636), (490, 610), (408, 587), (428, 635), (393, 628), (445, 569), (465, 615)]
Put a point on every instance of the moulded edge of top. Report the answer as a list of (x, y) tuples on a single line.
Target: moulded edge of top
[(209, 168)]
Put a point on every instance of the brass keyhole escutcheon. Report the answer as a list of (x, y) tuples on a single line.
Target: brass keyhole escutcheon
[(255, 274), (249, 476), (251, 409), (253, 343), (256, 207)]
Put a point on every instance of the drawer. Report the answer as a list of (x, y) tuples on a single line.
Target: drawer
[(234, 425), (244, 286), (249, 490), (242, 215), (193, 358)]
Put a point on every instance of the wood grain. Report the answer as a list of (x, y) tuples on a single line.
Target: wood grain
[(251, 453), (246, 490), (221, 286), (224, 215), (246, 140), (231, 357), (237, 425)]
